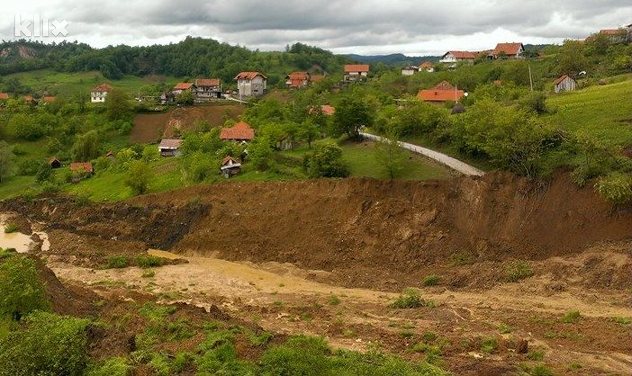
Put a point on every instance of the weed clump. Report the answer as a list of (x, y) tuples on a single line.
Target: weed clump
[(410, 299), (518, 270), (117, 262), (431, 280), (571, 317)]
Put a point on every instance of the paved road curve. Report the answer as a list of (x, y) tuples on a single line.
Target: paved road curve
[(446, 160)]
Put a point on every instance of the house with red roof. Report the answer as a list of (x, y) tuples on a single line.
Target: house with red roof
[(240, 132), (251, 84), (4, 96), (181, 87), (207, 88), (297, 80), (564, 83), (507, 51), (356, 72), (453, 57), (82, 168), (443, 92), (99, 93)]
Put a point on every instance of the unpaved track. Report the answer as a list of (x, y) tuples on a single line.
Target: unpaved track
[(249, 290)]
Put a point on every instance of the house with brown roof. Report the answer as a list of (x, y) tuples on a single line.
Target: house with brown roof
[(4, 96), (240, 132), (443, 92), (325, 109), (169, 147), (507, 51), (230, 167), (356, 72), (564, 83), (297, 80), (426, 66), (99, 93), (616, 35), (207, 88), (453, 57), (410, 70), (251, 84)]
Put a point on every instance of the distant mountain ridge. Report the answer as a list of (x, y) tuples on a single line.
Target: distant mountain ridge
[(391, 59)]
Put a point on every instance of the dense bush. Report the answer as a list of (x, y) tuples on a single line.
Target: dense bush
[(22, 290), (138, 177), (615, 188), (325, 161), (47, 345)]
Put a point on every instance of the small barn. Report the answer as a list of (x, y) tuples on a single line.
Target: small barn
[(170, 147), (565, 83), (230, 167), (54, 163), (240, 132)]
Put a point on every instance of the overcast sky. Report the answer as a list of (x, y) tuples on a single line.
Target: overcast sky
[(413, 27)]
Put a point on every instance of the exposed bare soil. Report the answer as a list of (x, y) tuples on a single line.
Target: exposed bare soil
[(150, 128), (276, 253)]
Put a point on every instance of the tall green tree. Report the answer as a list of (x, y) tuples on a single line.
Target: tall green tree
[(138, 176), (390, 156), (352, 113), (86, 147), (22, 290), (118, 105), (6, 160)]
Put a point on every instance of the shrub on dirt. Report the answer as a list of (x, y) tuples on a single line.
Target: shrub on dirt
[(146, 262), (116, 366), (333, 300), (48, 345), (541, 370), (518, 270), (623, 320), (22, 290), (536, 356), (616, 188), (148, 274), (10, 228), (410, 299), (117, 262), (431, 280), (571, 317), (461, 258), (489, 345)]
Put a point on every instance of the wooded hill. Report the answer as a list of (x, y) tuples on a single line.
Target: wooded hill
[(192, 57)]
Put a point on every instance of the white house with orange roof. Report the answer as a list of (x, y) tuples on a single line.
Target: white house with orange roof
[(99, 93), (251, 84)]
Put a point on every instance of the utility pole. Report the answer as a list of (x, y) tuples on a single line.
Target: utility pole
[(530, 78)]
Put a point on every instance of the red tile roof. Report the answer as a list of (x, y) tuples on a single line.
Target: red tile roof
[(170, 143), (559, 80), (328, 110), (426, 65), (462, 55), (206, 82), (4, 96), (81, 167), (613, 32), (298, 76), (183, 86), (48, 99), (509, 49), (238, 132), (443, 92), (103, 88), (361, 68), (248, 75)]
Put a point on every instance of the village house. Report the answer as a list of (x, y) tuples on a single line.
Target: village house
[(230, 167), (170, 147), (54, 163), (409, 70), (4, 96), (356, 72), (507, 51), (564, 83), (181, 87), (453, 57), (297, 80), (443, 92), (325, 109), (616, 36), (28, 99), (207, 88), (426, 66), (99, 93), (251, 84), (240, 132)]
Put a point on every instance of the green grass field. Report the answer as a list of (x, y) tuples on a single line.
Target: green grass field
[(81, 82), (602, 111)]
